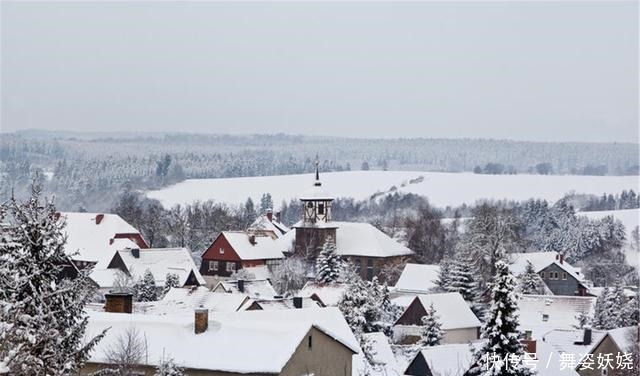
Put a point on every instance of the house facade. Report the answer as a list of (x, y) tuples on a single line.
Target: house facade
[(234, 250), (559, 277)]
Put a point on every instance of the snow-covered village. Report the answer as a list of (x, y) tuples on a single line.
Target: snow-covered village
[(301, 188)]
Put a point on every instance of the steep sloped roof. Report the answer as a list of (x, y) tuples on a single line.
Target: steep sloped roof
[(454, 312), (268, 340), (329, 293), (255, 288), (185, 300), (418, 278), (452, 360), (263, 223), (561, 310), (355, 239), (540, 260), (280, 303), (560, 341), (161, 261), (264, 248), (93, 241)]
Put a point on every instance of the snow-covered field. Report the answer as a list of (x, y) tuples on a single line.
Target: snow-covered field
[(442, 188)]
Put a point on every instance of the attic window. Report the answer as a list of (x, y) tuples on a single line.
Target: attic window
[(310, 342), (221, 250)]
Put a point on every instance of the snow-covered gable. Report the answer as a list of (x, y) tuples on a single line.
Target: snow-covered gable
[(450, 360), (556, 342), (355, 239), (329, 294), (269, 340), (624, 338), (454, 312), (263, 223), (185, 300), (254, 288), (541, 313), (95, 237), (540, 260), (160, 261), (418, 278), (263, 247)]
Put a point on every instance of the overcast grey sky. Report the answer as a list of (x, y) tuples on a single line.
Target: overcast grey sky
[(561, 71)]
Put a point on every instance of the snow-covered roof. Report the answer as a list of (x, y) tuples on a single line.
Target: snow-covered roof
[(270, 340), (624, 337), (450, 360), (279, 304), (561, 312), (182, 300), (540, 260), (315, 193), (356, 239), (385, 363), (329, 294), (95, 242), (104, 277), (254, 288), (561, 341), (264, 247), (418, 278), (161, 261), (264, 224), (255, 272), (454, 312)]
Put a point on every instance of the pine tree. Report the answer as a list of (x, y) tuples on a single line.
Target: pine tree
[(171, 280), (601, 314), (460, 278), (443, 274), (147, 290), (266, 203), (328, 263), (42, 318), (168, 368), (431, 333), (500, 332), (630, 312), (530, 282), (583, 319)]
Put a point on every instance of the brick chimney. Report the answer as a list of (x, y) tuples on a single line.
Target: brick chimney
[(529, 345), (241, 285), (561, 258), (270, 215), (135, 252), (120, 302), (201, 320), (99, 218), (297, 302)]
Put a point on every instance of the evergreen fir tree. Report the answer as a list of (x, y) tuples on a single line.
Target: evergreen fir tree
[(583, 319), (42, 318), (460, 278), (168, 368), (443, 274), (147, 290), (530, 282), (431, 333), (171, 280), (328, 263), (601, 314), (500, 332), (630, 312), (266, 203)]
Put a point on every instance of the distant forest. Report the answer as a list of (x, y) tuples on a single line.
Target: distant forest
[(90, 170)]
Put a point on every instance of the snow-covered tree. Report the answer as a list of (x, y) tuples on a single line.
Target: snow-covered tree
[(601, 313), (630, 312), (171, 280), (168, 368), (530, 282), (583, 320), (460, 278), (125, 354), (431, 332), (266, 203), (328, 263), (147, 290), (443, 274), (500, 331), (611, 308), (290, 276), (42, 318)]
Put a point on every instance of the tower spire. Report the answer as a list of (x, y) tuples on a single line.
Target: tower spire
[(317, 182)]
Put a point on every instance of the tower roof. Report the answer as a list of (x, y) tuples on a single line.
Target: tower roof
[(316, 192)]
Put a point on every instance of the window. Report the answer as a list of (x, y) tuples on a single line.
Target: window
[(231, 266), (564, 276), (213, 265), (221, 250), (604, 371), (310, 342), (320, 208), (543, 275), (310, 205)]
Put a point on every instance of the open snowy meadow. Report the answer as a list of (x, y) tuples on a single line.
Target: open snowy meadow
[(442, 188)]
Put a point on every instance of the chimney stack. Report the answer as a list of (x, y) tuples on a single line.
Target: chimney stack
[(561, 258), (297, 302), (119, 302), (201, 320), (270, 215), (586, 339), (135, 252), (99, 218), (241, 285), (252, 239), (56, 215)]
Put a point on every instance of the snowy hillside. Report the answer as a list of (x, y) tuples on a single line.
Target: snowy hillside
[(441, 188)]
